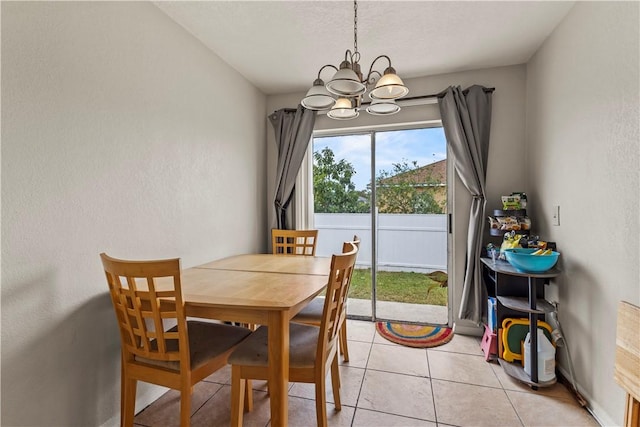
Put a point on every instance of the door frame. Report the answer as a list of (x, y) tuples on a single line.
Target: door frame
[(303, 200)]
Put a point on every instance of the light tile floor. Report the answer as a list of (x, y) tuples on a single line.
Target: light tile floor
[(385, 384)]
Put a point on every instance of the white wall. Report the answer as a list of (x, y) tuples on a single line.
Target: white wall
[(583, 155), (120, 133), (506, 156)]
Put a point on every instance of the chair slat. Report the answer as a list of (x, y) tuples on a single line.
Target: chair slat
[(294, 242), (312, 317)]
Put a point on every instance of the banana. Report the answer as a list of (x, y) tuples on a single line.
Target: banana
[(547, 252), (538, 252)]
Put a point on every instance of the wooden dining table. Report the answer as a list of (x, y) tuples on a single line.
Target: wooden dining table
[(261, 289)]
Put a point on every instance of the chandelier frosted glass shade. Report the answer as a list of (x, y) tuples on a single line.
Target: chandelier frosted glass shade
[(383, 107), (318, 97), (389, 86), (346, 83), (343, 110)]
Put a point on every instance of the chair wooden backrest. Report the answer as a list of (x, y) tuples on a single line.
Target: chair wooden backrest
[(294, 242), (335, 298), (348, 247), (355, 241), (627, 366), (143, 310)]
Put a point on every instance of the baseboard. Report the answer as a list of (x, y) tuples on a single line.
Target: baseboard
[(149, 394), (593, 408), (112, 422)]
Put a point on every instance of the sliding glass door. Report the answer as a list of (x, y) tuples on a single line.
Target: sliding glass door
[(389, 188), (342, 207), (411, 225)]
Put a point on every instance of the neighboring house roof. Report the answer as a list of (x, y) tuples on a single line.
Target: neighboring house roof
[(434, 174)]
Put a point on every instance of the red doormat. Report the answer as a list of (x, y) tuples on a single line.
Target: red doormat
[(420, 336)]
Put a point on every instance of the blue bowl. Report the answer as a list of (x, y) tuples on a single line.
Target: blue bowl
[(522, 260)]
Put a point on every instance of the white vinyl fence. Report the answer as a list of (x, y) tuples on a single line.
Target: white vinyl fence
[(406, 242)]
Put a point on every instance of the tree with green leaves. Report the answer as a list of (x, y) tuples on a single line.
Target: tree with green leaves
[(403, 190), (334, 191)]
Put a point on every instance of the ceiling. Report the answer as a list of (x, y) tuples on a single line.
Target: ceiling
[(279, 46)]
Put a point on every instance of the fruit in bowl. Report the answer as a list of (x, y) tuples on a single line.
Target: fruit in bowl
[(526, 260)]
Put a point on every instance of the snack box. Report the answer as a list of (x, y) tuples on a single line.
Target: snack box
[(511, 202)]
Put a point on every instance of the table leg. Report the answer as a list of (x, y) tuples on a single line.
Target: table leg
[(278, 367), (631, 412)]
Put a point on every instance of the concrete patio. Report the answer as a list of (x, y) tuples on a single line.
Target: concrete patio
[(405, 312)]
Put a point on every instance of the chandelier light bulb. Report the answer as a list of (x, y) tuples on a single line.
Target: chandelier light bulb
[(389, 86), (343, 110)]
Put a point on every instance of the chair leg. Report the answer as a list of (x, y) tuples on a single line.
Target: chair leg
[(185, 406), (122, 388), (129, 402), (248, 396), (344, 349), (335, 382), (238, 386), (321, 404)]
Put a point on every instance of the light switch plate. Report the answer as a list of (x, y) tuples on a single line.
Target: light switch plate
[(555, 216)]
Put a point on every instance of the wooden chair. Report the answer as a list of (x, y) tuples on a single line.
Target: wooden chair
[(147, 295), (291, 242), (312, 350), (627, 367), (294, 242), (312, 313)]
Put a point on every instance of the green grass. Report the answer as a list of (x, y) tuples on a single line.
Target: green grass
[(398, 286)]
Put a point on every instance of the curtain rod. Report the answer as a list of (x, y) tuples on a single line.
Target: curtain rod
[(433, 95), (415, 98)]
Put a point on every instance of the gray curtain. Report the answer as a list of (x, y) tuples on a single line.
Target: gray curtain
[(293, 130), (466, 118)]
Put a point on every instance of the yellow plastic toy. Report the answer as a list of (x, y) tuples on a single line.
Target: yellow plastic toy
[(514, 331)]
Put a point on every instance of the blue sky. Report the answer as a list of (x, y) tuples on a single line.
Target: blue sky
[(422, 145)]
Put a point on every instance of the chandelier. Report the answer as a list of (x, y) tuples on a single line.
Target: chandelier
[(342, 95)]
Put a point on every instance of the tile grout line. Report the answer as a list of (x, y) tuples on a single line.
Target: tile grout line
[(433, 395), (514, 408), (207, 400), (366, 365), (507, 396), (366, 370)]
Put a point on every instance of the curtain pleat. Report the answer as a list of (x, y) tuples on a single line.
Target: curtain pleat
[(466, 118), (293, 129)]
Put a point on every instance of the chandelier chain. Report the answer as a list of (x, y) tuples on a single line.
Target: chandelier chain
[(355, 26)]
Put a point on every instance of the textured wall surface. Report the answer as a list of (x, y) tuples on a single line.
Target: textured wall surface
[(116, 137), (583, 154)]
